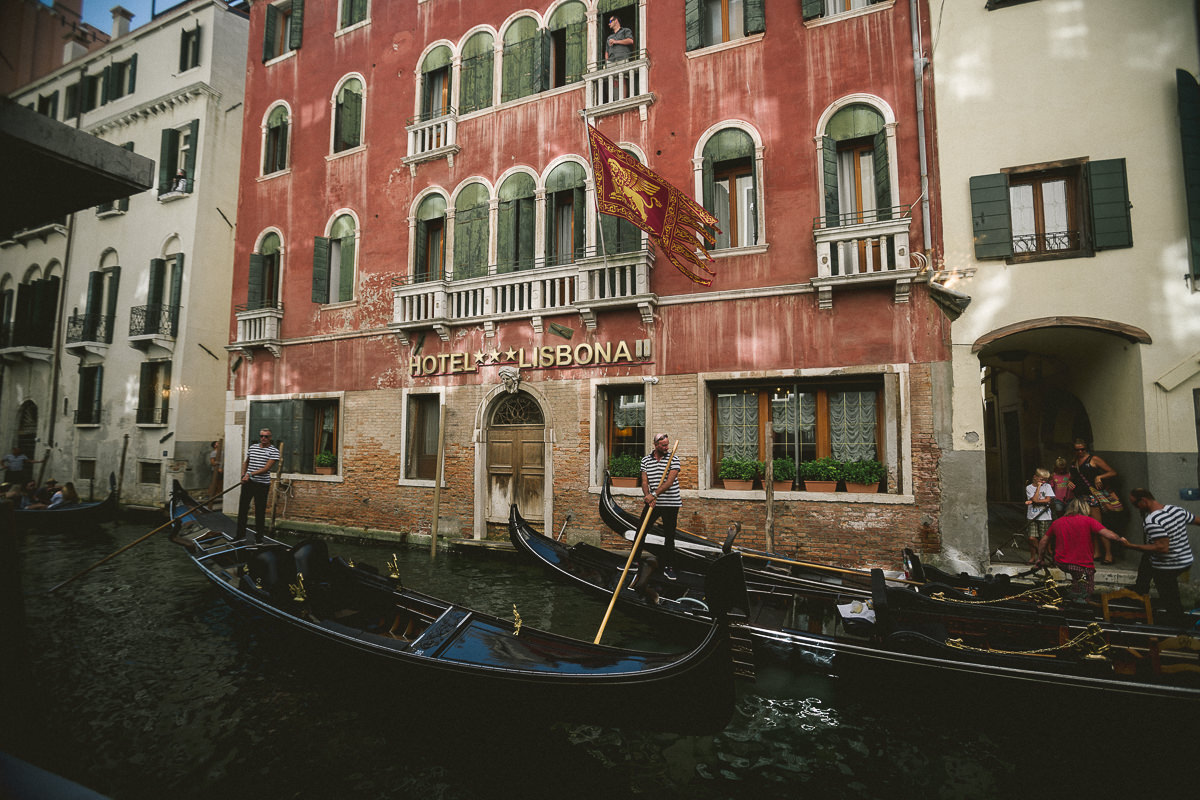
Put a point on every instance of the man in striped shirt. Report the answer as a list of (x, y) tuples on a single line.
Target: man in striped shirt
[(1167, 550), (261, 458), (662, 496)]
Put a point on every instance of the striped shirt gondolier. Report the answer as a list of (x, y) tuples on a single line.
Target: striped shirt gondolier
[(258, 457), (1172, 522), (654, 469)]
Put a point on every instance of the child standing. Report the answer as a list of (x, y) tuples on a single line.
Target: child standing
[(1038, 495), (1060, 481)]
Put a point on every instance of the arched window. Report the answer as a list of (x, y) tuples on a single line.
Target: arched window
[(475, 90), (275, 141), (352, 13), (565, 212), (265, 268), (712, 22), (8, 304), (435, 84), (516, 226), (730, 187), (471, 231), (856, 172), (567, 32), (334, 261), (36, 308), (348, 115), (429, 263), (523, 67)]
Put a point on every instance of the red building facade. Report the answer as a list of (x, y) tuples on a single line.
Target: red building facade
[(420, 260)]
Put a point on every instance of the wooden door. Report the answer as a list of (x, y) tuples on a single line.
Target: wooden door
[(516, 468)]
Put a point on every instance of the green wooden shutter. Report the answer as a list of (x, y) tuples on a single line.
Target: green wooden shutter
[(991, 217), (883, 180), (579, 207), (421, 253), (526, 227), (194, 140), (829, 176), (542, 64), (146, 402), (346, 274), (320, 272), (296, 35), (755, 16), (813, 9), (108, 86), (23, 314), (132, 74), (184, 38), (114, 284), (45, 297), (692, 25), (576, 58), (176, 293), (548, 239), (168, 148), (1109, 195), (352, 119), (158, 270), (254, 282), (270, 33), (91, 312), (123, 203), (1188, 92), (197, 42)]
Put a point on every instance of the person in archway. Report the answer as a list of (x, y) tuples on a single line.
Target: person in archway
[(1088, 473), (618, 46), (662, 497)]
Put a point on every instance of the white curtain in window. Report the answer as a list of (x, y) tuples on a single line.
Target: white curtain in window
[(629, 412), (737, 425), (852, 425)]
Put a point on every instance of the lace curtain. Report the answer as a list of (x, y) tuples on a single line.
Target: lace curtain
[(737, 425), (852, 425), (629, 411)]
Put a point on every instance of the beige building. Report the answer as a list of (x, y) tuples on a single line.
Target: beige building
[(115, 317), (1066, 222)]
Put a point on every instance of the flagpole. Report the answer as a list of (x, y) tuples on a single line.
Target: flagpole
[(587, 140)]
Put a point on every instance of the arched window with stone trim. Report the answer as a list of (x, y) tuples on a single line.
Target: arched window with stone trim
[(348, 115), (276, 140), (730, 185), (517, 223), (471, 233), (429, 257), (475, 73), (565, 213)]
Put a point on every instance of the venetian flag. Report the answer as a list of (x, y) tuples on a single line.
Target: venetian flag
[(627, 189)]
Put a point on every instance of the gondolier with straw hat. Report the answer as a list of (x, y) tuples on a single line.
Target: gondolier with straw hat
[(660, 490)]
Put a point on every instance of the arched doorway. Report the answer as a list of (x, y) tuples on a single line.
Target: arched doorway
[(27, 423), (516, 457)]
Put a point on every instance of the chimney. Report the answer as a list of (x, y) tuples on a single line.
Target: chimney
[(75, 46), (120, 17)]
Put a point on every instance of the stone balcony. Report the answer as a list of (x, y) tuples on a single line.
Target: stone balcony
[(586, 286), (864, 248), (622, 86), (432, 138), (258, 328)]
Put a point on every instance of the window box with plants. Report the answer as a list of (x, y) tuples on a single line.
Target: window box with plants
[(783, 473), (863, 476), (738, 473), (326, 463), (625, 470), (821, 475)]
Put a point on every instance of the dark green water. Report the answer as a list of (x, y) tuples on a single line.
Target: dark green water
[(144, 684)]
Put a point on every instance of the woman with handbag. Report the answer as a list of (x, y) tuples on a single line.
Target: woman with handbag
[(1088, 473)]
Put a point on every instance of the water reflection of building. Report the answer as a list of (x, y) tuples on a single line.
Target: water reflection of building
[(417, 234), (1066, 150)]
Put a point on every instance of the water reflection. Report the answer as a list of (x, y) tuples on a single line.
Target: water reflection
[(144, 684)]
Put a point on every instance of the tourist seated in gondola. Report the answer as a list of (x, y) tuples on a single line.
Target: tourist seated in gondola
[(1071, 537), (29, 497), (66, 496)]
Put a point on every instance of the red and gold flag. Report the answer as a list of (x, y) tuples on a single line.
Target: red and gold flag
[(627, 189)]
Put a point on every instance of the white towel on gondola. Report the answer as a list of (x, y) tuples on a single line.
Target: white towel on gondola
[(859, 609)]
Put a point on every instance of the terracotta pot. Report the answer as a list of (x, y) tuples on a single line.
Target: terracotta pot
[(741, 486), (820, 486), (323, 470), (625, 483), (862, 488), (783, 486)]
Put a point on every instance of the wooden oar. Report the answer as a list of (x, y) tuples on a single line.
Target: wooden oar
[(636, 543), (137, 541)]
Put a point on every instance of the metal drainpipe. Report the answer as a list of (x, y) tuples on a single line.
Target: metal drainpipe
[(919, 64)]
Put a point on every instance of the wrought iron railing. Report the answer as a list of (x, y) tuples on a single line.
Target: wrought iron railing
[(154, 320), (156, 415), (90, 328), (88, 416), (1046, 243)]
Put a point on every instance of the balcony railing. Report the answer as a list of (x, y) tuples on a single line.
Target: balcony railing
[(89, 328), (89, 416), (152, 416), (1048, 243), (585, 285), (432, 136), (864, 247), (615, 88), (258, 326), (154, 320)]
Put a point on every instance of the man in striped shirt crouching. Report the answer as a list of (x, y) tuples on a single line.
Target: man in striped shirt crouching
[(261, 458), (1168, 553)]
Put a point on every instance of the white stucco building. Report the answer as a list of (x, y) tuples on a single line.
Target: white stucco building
[(115, 318), (1066, 221)]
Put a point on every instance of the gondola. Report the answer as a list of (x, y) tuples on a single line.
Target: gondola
[(77, 515), (431, 651), (900, 634)]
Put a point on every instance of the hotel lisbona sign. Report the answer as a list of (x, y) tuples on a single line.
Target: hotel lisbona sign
[(599, 354)]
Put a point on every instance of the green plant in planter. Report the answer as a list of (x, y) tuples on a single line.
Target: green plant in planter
[(821, 469), (625, 465), (864, 472), (326, 459), (738, 469), (783, 469)]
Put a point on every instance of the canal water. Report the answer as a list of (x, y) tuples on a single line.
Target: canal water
[(143, 683)]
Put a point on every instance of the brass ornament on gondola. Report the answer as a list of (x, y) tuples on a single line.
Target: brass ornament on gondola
[(516, 620), (393, 568), (299, 591)]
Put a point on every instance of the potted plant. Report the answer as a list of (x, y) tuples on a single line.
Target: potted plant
[(326, 463), (738, 473), (783, 473), (625, 470), (863, 476), (821, 475)]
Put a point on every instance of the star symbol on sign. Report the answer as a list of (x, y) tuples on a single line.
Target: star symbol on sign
[(480, 356), (510, 354), (493, 355)]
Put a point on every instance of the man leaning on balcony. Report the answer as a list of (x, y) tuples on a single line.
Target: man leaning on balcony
[(619, 45)]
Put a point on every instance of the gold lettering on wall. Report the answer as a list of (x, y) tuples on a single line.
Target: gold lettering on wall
[(534, 357)]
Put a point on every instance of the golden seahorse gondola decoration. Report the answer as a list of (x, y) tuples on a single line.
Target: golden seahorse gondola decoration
[(299, 592), (393, 568), (516, 620)]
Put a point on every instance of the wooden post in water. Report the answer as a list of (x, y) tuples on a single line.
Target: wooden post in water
[(769, 485), (437, 478), (121, 469), (275, 489)]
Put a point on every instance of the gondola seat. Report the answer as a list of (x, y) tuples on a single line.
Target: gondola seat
[(1144, 612), (312, 561), (273, 570)]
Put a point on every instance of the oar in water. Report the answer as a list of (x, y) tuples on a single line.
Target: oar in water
[(111, 556)]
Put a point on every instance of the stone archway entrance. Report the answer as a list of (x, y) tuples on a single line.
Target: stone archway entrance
[(516, 458)]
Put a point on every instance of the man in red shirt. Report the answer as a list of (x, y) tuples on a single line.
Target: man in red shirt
[(1072, 538)]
